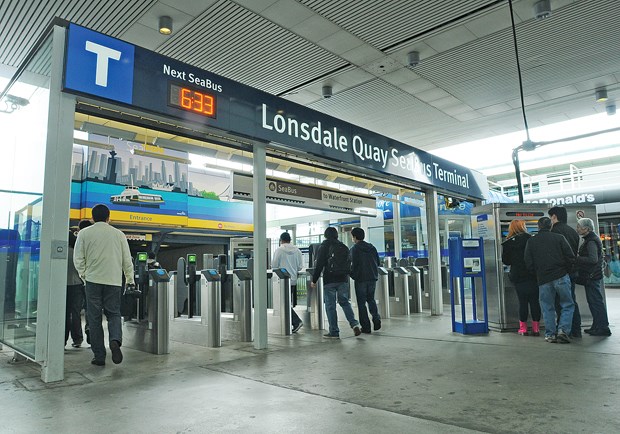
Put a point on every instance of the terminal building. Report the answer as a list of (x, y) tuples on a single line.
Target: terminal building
[(209, 128)]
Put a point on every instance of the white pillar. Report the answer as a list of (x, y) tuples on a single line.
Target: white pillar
[(434, 252), (49, 349), (260, 247)]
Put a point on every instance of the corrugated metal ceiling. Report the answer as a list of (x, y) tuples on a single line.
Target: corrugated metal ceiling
[(465, 87)]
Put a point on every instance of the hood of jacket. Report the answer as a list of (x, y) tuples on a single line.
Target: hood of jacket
[(288, 249)]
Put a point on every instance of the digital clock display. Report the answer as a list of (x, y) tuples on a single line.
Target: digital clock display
[(192, 100)]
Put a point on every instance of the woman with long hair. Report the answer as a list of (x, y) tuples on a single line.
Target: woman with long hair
[(523, 279)]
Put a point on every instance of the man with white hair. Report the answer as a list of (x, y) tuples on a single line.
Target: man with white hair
[(590, 271)]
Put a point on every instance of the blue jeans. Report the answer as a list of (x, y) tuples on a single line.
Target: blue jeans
[(594, 296), (338, 291), (548, 291), (106, 298), (365, 293)]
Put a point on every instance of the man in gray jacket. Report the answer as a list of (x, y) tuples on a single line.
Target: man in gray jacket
[(101, 256), (549, 255)]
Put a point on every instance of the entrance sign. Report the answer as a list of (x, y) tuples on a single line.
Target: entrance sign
[(102, 66)]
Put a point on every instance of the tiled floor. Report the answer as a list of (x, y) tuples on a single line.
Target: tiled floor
[(415, 375)]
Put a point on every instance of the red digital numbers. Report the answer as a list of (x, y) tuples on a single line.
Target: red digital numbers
[(192, 100)]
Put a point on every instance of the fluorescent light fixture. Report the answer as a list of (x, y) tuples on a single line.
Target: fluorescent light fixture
[(92, 144), (241, 159), (185, 147), (350, 182), (165, 25), (102, 130), (161, 156), (306, 173)]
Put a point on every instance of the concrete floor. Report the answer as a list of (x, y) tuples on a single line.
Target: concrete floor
[(415, 375)]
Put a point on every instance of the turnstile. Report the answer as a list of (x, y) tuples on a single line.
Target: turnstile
[(314, 316), (242, 304), (382, 293), (214, 293), (151, 333), (280, 320), (399, 282), (415, 289)]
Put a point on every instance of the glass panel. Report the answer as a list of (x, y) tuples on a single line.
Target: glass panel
[(23, 132), (609, 231)]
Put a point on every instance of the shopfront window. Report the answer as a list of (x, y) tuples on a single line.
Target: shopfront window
[(609, 231), (23, 131)]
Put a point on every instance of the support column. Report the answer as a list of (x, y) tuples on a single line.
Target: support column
[(49, 349), (260, 247), (434, 252)]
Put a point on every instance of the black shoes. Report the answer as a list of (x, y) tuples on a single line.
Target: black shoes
[(330, 336), (357, 330), (376, 324), (600, 332), (77, 344), (366, 331), (98, 362), (297, 327), (117, 355)]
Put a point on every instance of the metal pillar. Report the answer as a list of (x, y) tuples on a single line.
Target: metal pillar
[(434, 252), (260, 247)]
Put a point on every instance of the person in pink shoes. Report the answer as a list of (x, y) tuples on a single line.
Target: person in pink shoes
[(524, 280)]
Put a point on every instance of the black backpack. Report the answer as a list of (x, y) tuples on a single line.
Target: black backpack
[(338, 259)]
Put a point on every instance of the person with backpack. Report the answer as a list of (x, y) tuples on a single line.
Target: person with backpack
[(334, 261), (365, 272)]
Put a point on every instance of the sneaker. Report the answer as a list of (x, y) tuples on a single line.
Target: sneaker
[(376, 324), (297, 327), (117, 354), (551, 339), (98, 362), (330, 336), (357, 330), (563, 337), (77, 344)]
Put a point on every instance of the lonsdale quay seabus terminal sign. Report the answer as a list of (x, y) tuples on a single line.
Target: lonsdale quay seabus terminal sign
[(101, 66)]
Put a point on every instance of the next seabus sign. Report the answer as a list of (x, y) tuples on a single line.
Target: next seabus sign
[(337, 140), (108, 68)]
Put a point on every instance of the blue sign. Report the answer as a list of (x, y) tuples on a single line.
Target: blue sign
[(99, 65)]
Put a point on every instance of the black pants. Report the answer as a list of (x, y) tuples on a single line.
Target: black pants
[(73, 316), (295, 320), (527, 293)]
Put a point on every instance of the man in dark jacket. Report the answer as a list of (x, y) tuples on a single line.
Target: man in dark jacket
[(549, 255), (335, 284), (365, 272), (559, 219)]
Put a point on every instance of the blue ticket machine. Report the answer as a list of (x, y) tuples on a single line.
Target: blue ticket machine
[(467, 276)]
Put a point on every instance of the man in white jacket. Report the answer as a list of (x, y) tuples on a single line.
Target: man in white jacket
[(101, 256), (289, 256)]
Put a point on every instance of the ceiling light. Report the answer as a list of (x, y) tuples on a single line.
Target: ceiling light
[(600, 94), (542, 9), (103, 130), (165, 25)]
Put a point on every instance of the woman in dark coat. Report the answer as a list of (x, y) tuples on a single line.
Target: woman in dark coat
[(523, 279)]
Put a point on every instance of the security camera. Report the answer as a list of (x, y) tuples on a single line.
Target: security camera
[(542, 9), (327, 91), (413, 58)]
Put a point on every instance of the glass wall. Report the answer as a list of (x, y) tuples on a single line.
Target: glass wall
[(23, 131), (610, 236)]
